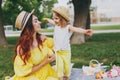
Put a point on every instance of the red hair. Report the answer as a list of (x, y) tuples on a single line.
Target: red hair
[(25, 41)]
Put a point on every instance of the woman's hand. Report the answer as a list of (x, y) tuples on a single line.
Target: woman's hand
[(50, 59), (47, 60)]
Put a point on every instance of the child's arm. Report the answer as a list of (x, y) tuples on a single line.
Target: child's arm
[(49, 20), (81, 30)]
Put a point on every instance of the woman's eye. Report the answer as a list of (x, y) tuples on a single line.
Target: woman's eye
[(35, 21)]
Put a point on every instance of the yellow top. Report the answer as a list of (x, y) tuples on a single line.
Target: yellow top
[(37, 56)]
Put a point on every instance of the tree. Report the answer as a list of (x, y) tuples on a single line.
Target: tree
[(81, 18), (3, 41), (47, 5), (13, 7)]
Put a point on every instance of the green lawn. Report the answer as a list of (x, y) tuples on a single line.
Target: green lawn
[(109, 27), (103, 47)]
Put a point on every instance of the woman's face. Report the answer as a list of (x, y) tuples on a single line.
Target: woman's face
[(56, 19), (36, 23)]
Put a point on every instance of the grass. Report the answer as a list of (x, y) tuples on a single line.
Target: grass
[(103, 47), (109, 27), (6, 55), (6, 66)]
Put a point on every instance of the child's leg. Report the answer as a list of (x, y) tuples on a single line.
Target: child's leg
[(59, 65), (67, 64)]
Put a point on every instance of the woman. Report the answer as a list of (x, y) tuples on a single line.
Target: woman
[(32, 52)]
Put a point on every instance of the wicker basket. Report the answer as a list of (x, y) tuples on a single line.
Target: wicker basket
[(94, 63), (94, 67)]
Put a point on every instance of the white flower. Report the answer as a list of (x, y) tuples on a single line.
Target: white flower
[(114, 73)]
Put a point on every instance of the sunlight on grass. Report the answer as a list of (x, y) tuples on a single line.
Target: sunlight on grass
[(109, 27)]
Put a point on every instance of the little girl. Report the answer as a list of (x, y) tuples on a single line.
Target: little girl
[(62, 34)]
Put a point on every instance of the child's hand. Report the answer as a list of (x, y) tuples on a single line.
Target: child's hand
[(46, 19), (89, 32)]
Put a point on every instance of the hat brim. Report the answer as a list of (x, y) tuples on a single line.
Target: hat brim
[(60, 13), (27, 19)]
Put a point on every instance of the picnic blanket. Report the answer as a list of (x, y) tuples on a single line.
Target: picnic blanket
[(77, 74)]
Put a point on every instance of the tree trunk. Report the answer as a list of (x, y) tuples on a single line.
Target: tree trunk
[(88, 24), (81, 16), (3, 41)]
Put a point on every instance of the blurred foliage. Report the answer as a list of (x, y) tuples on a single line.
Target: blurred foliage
[(11, 8)]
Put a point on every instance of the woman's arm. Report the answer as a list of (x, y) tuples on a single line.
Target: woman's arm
[(22, 69), (47, 60), (49, 20), (81, 30)]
